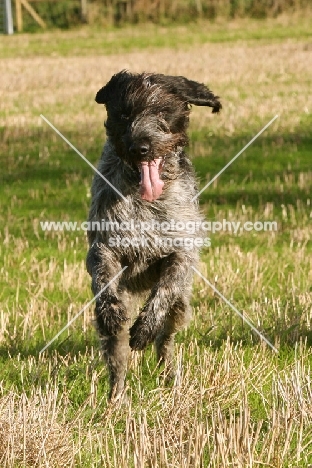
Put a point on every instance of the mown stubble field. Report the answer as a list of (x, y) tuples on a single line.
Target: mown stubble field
[(235, 402)]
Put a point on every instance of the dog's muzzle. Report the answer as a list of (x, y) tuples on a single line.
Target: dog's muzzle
[(151, 185)]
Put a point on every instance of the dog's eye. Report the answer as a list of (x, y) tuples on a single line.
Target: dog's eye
[(147, 83), (125, 117)]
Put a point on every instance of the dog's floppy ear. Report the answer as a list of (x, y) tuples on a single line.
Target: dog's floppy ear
[(105, 93), (190, 91), (118, 82), (102, 95)]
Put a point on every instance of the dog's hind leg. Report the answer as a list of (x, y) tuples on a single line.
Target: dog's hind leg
[(178, 317)]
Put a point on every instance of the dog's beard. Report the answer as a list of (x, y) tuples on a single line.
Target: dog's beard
[(151, 186)]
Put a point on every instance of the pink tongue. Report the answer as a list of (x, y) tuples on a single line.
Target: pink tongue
[(151, 184)]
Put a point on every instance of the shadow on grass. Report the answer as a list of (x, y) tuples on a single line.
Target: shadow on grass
[(213, 337), (37, 158), (75, 343), (268, 171)]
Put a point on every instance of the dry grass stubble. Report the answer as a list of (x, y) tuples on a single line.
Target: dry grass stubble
[(209, 418), (191, 425), (63, 89)]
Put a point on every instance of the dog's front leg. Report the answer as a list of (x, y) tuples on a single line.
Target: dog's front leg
[(103, 266), (174, 285), (111, 314)]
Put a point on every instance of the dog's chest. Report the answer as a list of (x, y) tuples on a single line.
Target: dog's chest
[(144, 232)]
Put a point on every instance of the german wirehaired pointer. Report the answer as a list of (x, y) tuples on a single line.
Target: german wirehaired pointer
[(141, 213)]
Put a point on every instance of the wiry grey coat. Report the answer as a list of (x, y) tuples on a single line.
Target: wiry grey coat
[(147, 118)]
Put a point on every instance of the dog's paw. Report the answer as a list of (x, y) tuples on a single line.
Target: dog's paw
[(168, 375), (110, 317), (141, 333)]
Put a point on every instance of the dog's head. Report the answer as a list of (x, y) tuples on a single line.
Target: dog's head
[(147, 119)]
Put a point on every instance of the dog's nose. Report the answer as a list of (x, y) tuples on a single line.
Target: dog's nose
[(140, 149)]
